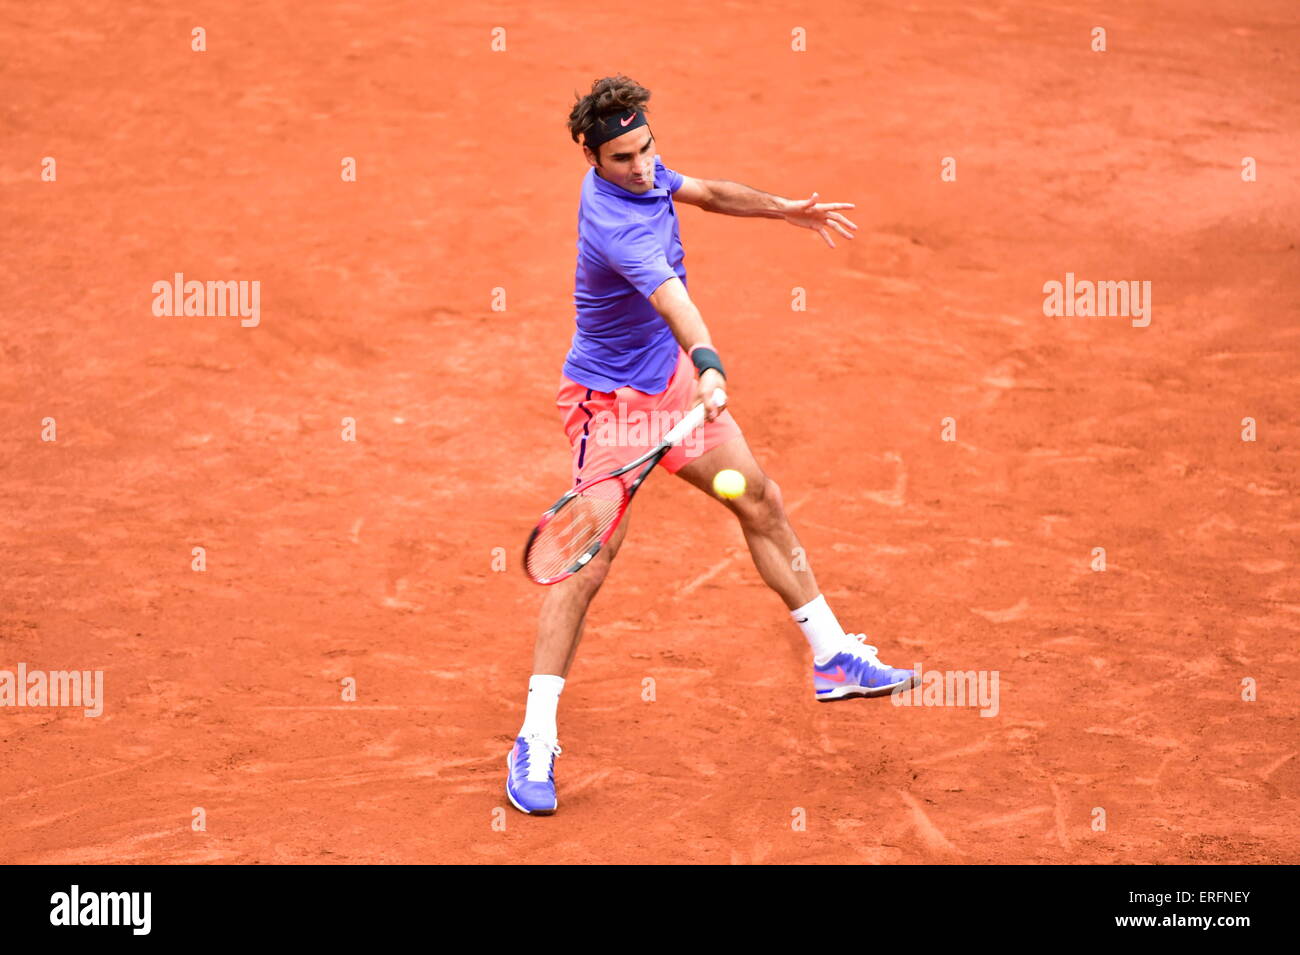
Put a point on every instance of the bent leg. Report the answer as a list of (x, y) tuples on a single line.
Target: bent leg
[(842, 667), (777, 554)]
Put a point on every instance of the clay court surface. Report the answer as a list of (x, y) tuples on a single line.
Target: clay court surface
[(373, 559)]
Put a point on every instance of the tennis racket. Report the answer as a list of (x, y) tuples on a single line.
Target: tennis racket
[(580, 523)]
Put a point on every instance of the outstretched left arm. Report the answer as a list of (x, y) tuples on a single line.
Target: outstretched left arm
[(734, 199)]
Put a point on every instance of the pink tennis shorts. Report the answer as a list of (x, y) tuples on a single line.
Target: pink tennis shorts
[(607, 429)]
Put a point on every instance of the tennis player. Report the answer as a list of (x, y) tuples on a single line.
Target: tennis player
[(642, 353)]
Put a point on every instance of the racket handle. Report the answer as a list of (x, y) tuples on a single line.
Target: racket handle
[(694, 418)]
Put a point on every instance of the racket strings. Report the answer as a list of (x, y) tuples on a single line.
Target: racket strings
[(575, 529)]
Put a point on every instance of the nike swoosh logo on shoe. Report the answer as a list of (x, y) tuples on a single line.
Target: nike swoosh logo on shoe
[(833, 679)]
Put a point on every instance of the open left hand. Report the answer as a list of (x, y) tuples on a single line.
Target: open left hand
[(820, 217)]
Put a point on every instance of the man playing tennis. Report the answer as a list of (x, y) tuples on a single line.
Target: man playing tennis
[(639, 346)]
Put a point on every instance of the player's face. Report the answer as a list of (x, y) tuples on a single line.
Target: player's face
[(628, 161)]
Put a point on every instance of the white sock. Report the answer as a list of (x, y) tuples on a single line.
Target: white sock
[(822, 630), (543, 700)]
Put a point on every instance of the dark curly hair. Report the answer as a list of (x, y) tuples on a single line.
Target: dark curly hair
[(608, 96)]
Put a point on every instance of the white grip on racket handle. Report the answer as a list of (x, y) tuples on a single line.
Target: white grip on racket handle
[(694, 418)]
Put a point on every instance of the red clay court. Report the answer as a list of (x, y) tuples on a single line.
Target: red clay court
[(373, 559)]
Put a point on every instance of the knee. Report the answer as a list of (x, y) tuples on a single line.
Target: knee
[(761, 507), (593, 575), (580, 589)]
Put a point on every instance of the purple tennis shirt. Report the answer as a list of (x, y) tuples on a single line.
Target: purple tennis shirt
[(628, 245)]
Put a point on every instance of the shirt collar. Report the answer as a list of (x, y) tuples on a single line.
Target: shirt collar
[(609, 189)]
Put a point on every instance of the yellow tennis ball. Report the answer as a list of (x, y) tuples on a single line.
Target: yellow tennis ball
[(729, 484)]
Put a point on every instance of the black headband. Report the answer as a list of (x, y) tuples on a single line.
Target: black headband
[(612, 127)]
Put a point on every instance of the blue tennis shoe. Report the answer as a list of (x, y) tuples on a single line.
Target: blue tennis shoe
[(530, 783), (857, 671)]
